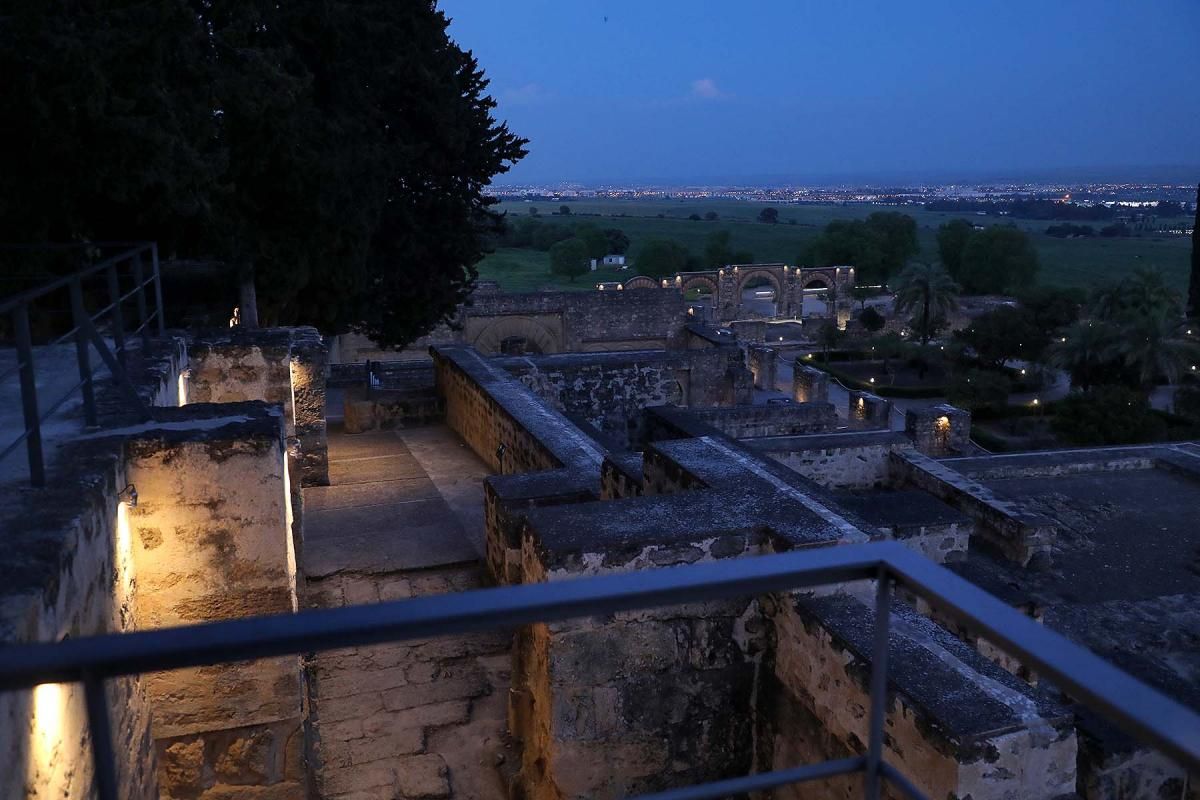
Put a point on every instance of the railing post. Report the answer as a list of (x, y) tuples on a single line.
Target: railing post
[(78, 312), (140, 280), (100, 727), (873, 780), (118, 326), (158, 303), (29, 404)]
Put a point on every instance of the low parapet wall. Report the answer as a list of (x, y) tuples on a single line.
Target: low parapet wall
[(504, 422), (957, 725), (1015, 532), (846, 460)]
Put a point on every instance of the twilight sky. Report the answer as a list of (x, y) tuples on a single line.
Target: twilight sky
[(691, 90)]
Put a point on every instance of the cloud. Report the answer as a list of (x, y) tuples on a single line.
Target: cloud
[(525, 95), (706, 88)]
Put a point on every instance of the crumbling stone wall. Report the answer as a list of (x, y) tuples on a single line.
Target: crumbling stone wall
[(210, 542)]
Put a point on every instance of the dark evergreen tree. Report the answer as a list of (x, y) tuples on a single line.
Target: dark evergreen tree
[(332, 155), (1193, 305), (108, 129)]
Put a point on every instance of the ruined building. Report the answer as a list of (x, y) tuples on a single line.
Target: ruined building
[(253, 477)]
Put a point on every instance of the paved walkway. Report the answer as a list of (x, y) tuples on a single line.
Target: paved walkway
[(399, 500)]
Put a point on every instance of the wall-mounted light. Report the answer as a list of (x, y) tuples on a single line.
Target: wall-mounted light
[(128, 495), (943, 422)]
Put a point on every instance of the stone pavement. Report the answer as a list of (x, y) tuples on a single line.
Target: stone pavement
[(423, 719), (398, 500)]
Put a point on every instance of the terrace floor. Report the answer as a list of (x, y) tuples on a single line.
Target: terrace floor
[(403, 518), (398, 500)]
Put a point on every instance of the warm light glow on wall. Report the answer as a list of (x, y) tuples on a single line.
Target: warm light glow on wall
[(123, 552), (48, 713), (943, 422), (182, 386)]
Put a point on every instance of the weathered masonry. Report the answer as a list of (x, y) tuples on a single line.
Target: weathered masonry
[(233, 500), (193, 516)]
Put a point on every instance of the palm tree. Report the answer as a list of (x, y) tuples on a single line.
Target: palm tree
[(929, 289), (1152, 346), (1085, 350), (1144, 292)]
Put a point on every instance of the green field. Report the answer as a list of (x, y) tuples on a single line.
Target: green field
[(1065, 262)]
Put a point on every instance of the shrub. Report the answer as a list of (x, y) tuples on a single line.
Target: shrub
[(872, 320), (978, 388), (1108, 415)]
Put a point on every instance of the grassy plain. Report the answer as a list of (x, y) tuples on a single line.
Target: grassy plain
[(1065, 262)]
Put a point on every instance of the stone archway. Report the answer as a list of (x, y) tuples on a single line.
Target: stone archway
[(699, 282), (641, 282), (760, 293), (541, 336)]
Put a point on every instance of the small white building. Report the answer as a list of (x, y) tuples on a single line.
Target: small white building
[(608, 261)]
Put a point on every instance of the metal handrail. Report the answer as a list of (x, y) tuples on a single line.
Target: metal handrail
[(86, 336), (1138, 709)]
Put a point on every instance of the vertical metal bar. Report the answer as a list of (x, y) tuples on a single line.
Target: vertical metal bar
[(118, 320), (140, 281), (873, 780), (158, 304), (100, 727), (78, 313), (29, 404)]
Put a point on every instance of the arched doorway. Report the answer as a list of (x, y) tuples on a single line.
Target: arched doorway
[(759, 295), (700, 294), (816, 298)]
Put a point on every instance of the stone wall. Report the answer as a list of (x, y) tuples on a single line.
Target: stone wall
[(990, 738), (1006, 526), (939, 430), (851, 460), (46, 596), (634, 702), (283, 366), (867, 410), (610, 390), (762, 362), (747, 421), (809, 384), (503, 422), (210, 542)]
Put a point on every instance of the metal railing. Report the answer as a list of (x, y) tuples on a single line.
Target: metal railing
[(1139, 710), (85, 332)]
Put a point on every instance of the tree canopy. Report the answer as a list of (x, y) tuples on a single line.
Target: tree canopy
[(661, 257), (997, 260), (876, 247), (769, 214), (332, 156), (952, 240), (569, 258)]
